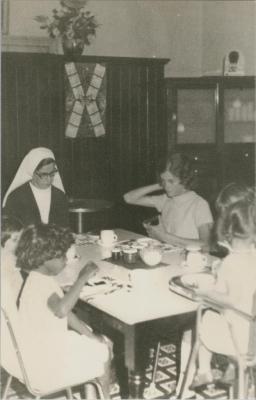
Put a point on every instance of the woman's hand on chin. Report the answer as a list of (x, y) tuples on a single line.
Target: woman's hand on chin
[(155, 232)]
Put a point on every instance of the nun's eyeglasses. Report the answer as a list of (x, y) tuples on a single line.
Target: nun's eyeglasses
[(44, 175)]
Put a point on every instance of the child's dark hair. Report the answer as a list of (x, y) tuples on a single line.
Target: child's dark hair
[(232, 193), (40, 243), (237, 221), (181, 166), (9, 225)]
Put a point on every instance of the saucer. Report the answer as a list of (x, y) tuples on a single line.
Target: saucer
[(194, 268), (146, 241), (93, 237), (198, 280)]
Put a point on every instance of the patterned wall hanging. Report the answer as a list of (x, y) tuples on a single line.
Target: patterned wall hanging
[(85, 99)]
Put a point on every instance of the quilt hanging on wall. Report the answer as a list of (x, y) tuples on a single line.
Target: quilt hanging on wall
[(85, 100)]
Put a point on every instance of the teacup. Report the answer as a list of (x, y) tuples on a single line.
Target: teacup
[(108, 238), (194, 258)]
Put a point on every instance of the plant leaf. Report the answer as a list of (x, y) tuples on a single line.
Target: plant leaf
[(41, 19)]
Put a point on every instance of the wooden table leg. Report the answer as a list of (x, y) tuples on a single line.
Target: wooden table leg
[(135, 361), (136, 385)]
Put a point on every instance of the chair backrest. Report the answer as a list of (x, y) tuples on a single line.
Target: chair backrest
[(11, 357), (221, 307), (13, 360), (252, 335)]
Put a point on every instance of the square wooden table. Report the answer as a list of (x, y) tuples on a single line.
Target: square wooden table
[(137, 316)]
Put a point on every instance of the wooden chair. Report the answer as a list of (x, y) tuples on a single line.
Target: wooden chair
[(246, 362), (19, 371)]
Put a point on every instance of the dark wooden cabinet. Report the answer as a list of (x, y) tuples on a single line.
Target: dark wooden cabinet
[(33, 114), (213, 119)]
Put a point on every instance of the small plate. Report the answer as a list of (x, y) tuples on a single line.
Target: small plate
[(200, 281), (138, 246), (169, 248), (146, 241), (93, 237)]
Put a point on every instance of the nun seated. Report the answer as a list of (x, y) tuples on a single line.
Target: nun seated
[(36, 193)]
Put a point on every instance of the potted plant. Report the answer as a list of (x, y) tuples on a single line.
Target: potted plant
[(72, 23)]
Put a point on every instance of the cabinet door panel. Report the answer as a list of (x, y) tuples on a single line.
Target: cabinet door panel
[(239, 164), (239, 115), (196, 122)]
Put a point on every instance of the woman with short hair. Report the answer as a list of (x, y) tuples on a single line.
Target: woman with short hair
[(185, 217)]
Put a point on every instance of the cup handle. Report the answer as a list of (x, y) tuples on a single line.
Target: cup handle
[(115, 238)]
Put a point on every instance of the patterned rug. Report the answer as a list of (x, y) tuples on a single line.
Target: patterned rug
[(163, 388)]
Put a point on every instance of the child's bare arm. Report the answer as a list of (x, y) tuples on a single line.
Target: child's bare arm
[(215, 296), (61, 306), (140, 196), (79, 326)]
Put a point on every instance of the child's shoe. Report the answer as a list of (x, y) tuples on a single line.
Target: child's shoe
[(229, 374), (188, 394), (201, 379)]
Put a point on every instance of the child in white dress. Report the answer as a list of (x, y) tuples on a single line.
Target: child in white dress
[(11, 279), (235, 286), (11, 282), (54, 338)]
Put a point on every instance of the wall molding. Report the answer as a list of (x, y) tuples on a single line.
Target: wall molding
[(25, 44)]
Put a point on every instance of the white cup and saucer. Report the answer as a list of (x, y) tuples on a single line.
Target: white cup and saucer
[(195, 259), (107, 238)]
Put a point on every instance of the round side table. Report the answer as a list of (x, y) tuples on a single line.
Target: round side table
[(83, 206)]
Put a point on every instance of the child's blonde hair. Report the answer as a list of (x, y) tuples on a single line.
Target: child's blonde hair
[(232, 193), (238, 221)]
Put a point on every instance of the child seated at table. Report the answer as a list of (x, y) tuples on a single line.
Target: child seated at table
[(11, 279), (235, 287), (185, 217), (230, 194), (63, 346)]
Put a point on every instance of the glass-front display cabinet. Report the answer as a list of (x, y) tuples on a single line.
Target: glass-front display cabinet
[(214, 120)]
